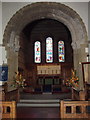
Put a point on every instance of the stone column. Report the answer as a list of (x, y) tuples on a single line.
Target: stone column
[(82, 58), (12, 60), (76, 60), (79, 56), (81, 83), (78, 67)]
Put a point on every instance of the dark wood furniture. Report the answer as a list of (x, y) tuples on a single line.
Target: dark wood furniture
[(48, 74), (50, 83), (56, 89), (53, 70)]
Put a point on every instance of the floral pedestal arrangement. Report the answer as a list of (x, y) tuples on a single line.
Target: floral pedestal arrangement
[(73, 81), (18, 81)]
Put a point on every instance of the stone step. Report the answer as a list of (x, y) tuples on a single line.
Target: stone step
[(40, 101), (38, 105)]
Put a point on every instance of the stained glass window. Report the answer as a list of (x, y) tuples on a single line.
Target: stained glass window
[(49, 50), (37, 47), (61, 52)]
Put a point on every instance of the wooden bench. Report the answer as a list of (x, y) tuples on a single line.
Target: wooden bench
[(8, 109), (74, 109)]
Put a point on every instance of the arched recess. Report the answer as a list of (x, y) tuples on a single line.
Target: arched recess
[(41, 10)]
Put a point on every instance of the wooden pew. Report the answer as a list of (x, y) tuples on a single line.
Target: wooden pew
[(8, 109), (74, 109)]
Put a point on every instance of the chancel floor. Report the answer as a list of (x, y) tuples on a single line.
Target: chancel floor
[(46, 105), (45, 96)]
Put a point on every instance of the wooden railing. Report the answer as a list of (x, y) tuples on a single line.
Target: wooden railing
[(8, 109), (74, 109)]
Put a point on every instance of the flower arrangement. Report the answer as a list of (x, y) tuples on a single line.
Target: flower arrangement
[(19, 81), (73, 81)]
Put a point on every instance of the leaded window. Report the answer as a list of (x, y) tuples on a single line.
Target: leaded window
[(61, 51), (49, 50), (37, 50)]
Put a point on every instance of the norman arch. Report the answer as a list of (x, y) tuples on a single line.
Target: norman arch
[(51, 10)]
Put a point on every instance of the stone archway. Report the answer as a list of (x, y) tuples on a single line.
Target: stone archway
[(42, 10)]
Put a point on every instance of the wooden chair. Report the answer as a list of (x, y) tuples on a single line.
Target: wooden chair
[(74, 109), (8, 109)]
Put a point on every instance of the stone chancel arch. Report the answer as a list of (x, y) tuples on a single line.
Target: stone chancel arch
[(51, 10)]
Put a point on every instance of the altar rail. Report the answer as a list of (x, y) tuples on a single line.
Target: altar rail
[(74, 109), (8, 109)]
